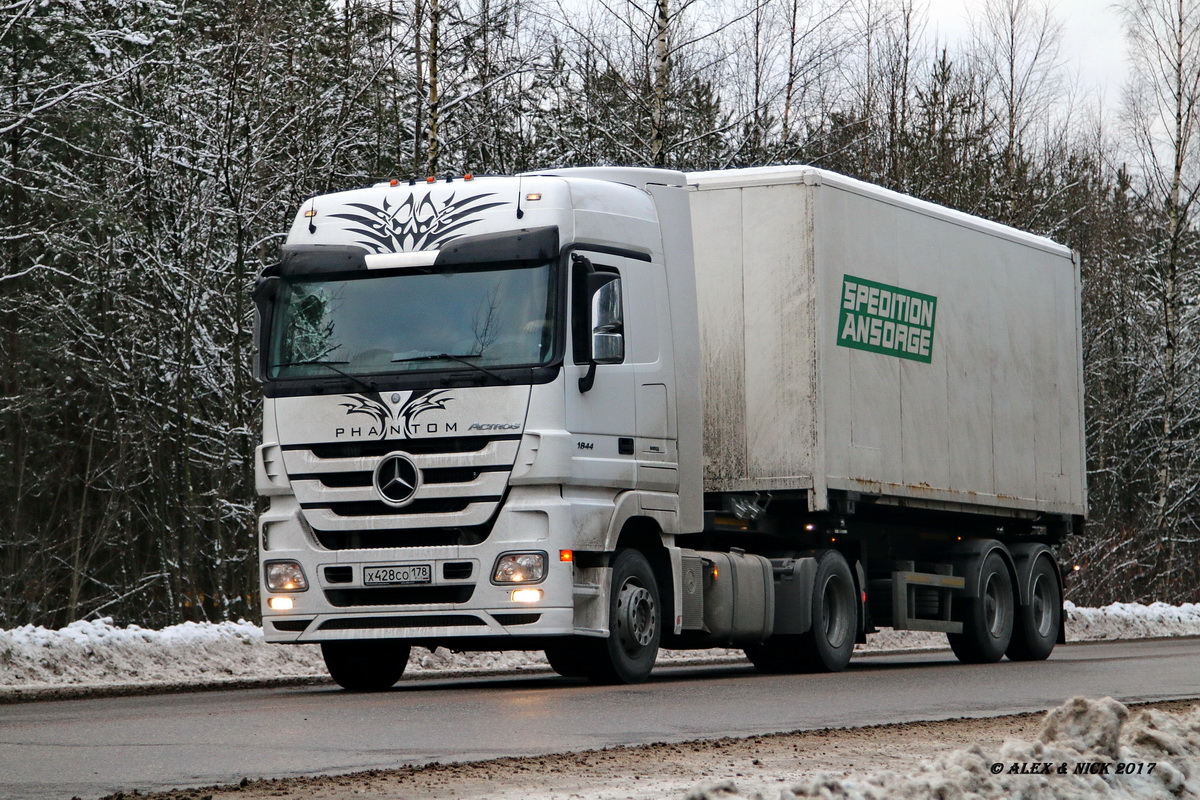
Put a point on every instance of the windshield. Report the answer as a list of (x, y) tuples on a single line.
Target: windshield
[(489, 316)]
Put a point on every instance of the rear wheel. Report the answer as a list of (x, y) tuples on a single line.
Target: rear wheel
[(1036, 627), (987, 619), (634, 625), (829, 643), (371, 665)]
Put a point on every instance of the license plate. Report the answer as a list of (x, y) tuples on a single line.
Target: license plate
[(398, 573)]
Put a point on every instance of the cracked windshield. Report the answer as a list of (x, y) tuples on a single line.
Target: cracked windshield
[(488, 317)]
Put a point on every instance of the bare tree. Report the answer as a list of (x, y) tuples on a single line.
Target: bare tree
[(1163, 114), (1017, 44)]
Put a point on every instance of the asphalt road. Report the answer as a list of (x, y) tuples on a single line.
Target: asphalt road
[(91, 747)]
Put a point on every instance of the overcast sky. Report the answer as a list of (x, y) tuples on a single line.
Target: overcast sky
[(1093, 44)]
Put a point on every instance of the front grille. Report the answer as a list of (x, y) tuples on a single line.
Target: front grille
[(463, 481), (457, 570), (376, 508), (342, 574), (290, 625), (516, 619), (445, 444), (423, 621), (401, 537), (358, 480), (399, 595)]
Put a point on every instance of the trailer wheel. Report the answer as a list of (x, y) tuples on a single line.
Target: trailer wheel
[(634, 625), (370, 665), (568, 658), (987, 619), (829, 643), (1035, 629)]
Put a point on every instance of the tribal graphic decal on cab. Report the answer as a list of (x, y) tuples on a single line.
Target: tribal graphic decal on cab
[(387, 422), (423, 224)]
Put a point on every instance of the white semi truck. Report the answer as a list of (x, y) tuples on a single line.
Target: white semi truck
[(603, 411)]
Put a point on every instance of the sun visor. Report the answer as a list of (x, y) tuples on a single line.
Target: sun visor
[(313, 259), (526, 244)]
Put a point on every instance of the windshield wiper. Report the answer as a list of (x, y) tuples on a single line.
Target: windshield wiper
[(364, 385), (462, 359)]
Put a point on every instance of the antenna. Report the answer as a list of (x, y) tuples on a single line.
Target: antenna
[(520, 212)]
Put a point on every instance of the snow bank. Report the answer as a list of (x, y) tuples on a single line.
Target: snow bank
[(1083, 742), (1131, 621), (90, 653), (97, 653)]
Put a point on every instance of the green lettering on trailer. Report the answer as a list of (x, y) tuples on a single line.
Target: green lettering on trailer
[(886, 319)]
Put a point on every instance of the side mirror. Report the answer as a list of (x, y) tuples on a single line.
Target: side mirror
[(266, 289), (607, 324)]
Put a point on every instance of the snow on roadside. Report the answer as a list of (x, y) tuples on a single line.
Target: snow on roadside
[(1083, 743), (98, 653)]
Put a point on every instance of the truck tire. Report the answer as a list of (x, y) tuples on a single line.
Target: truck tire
[(1035, 628), (829, 643), (634, 625), (568, 658), (370, 665), (987, 619)]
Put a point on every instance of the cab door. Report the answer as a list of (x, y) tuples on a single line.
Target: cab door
[(603, 343)]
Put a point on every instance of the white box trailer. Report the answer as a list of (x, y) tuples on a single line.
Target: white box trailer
[(856, 339), (601, 411)]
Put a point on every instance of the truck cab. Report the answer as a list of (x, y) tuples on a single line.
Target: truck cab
[(472, 404)]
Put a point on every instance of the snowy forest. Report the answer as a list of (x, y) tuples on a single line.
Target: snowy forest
[(153, 152)]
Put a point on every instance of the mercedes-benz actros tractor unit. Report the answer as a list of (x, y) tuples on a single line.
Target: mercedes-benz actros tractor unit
[(602, 411)]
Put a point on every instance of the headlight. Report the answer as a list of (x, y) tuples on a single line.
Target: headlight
[(285, 576), (520, 568)]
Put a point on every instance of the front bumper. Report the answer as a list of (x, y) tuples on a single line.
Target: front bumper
[(460, 601)]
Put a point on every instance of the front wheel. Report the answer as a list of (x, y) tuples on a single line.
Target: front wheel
[(370, 665), (987, 619), (634, 625), (1036, 628), (568, 658)]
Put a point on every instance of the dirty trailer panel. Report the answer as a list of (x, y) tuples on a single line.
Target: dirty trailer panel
[(856, 339)]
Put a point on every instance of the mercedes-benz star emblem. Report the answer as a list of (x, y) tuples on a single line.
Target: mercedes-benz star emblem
[(397, 479)]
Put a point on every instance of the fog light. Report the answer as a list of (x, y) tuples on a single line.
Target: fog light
[(281, 604), (285, 576), (526, 595), (520, 568)]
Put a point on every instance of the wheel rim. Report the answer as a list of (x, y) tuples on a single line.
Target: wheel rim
[(835, 611), (1042, 605), (636, 617), (995, 606)]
